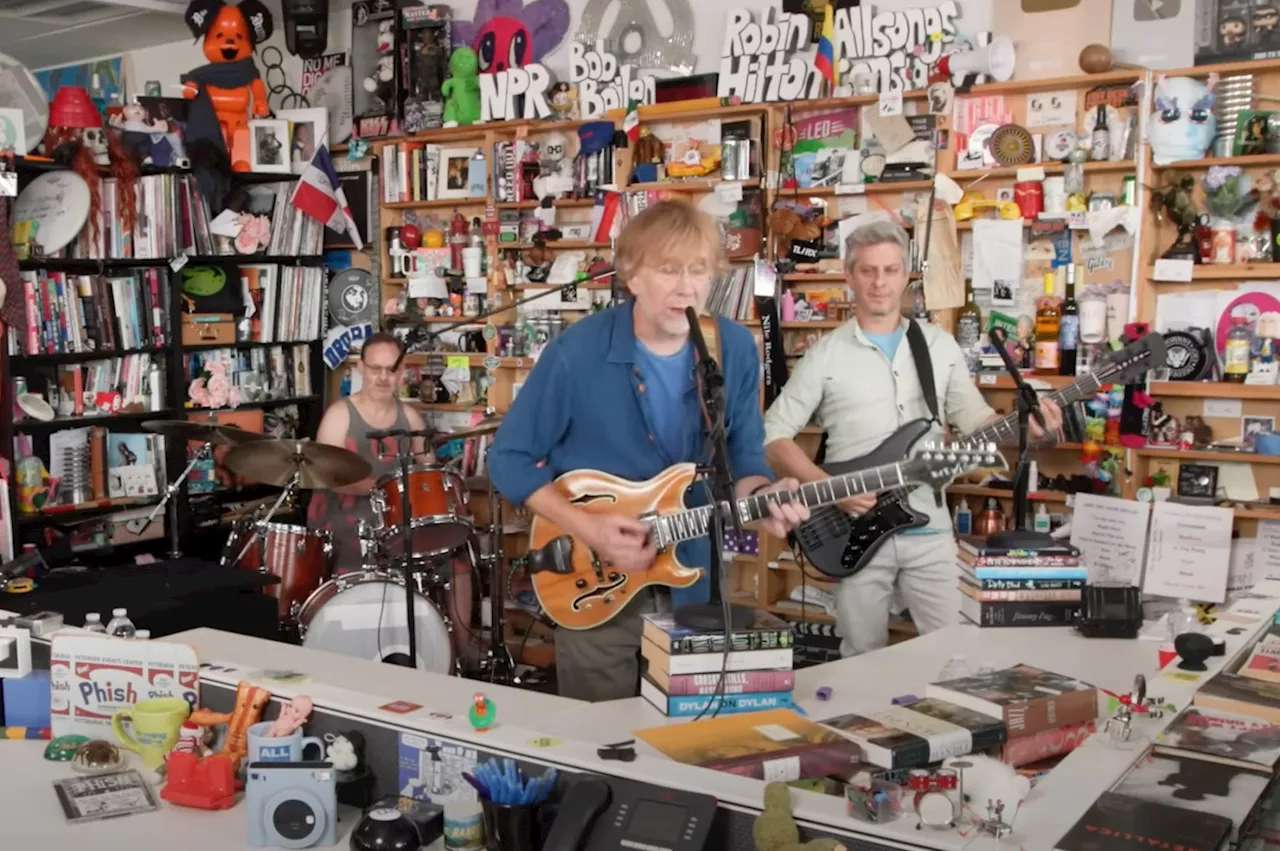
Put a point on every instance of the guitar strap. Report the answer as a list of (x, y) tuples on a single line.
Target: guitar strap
[(924, 372)]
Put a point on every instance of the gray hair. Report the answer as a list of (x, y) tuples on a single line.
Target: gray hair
[(878, 232)]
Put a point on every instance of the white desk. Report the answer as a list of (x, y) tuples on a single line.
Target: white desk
[(343, 685)]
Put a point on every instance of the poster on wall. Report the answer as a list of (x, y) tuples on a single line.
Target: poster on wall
[(314, 69), (109, 72), (1156, 34), (1236, 30)]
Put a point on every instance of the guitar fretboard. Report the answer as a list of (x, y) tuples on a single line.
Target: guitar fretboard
[(696, 522)]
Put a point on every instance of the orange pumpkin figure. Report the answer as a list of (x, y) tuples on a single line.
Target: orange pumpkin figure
[(229, 89)]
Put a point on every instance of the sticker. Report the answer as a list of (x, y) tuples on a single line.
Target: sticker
[(543, 742), (400, 707), (439, 716), (490, 331), (729, 193), (492, 362), (891, 102), (280, 676), (431, 769), (1182, 676), (178, 262)]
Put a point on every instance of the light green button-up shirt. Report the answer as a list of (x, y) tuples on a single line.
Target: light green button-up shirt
[(847, 385)]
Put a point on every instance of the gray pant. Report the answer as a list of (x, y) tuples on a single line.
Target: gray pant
[(603, 663), (922, 567)]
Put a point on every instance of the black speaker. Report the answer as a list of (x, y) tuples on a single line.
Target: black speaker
[(1110, 611)]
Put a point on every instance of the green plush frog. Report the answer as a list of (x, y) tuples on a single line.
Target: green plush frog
[(462, 90)]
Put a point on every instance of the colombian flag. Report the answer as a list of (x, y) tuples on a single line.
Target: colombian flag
[(825, 59)]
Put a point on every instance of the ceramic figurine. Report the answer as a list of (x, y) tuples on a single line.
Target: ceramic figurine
[(293, 715), (482, 713), (250, 701)]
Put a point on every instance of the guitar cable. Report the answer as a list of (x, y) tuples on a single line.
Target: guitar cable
[(726, 612)]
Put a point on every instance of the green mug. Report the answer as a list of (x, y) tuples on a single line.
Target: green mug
[(155, 723)]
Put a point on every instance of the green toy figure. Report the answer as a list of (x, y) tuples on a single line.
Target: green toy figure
[(462, 90), (776, 830)]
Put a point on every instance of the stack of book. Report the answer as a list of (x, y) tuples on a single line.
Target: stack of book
[(1002, 587), (919, 733), (683, 667), (1045, 715)]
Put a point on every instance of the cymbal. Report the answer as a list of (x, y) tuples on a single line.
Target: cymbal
[(486, 426), (204, 432), (319, 465)]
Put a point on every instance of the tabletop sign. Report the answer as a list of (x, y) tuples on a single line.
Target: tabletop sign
[(1177, 270), (1189, 552), (603, 83)]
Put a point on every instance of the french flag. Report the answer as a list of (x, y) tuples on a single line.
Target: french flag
[(319, 194)]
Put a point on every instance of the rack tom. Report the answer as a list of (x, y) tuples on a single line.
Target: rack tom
[(439, 517)]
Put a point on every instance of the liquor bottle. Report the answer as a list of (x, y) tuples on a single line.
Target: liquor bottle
[(1069, 327), (1235, 352), (1100, 139), (1047, 327), (969, 329)]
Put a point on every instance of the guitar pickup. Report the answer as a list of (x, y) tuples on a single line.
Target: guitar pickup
[(555, 556)]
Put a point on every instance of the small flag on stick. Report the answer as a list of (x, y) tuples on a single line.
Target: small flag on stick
[(319, 195)]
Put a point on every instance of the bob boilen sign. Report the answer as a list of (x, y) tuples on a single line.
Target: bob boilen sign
[(758, 62)]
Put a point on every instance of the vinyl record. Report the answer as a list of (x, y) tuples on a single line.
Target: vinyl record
[(58, 203), (352, 300), (19, 90), (333, 92)]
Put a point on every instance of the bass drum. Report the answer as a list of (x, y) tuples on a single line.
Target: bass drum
[(363, 615)]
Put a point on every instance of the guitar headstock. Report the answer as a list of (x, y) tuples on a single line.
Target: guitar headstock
[(934, 463), (1133, 361)]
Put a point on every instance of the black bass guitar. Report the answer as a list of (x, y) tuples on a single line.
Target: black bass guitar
[(839, 545)]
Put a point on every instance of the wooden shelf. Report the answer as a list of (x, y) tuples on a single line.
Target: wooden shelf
[(473, 201), (1215, 390), (1241, 161), (445, 406), (559, 204), (1104, 167), (698, 184), (566, 244), (1000, 381), (473, 358), (1224, 272), (813, 277), (813, 613), (65, 513), (1006, 493), (886, 186), (1206, 455), (1256, 512), (967, 224), (812, 325)]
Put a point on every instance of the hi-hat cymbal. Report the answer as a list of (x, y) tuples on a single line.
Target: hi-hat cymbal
[(480, 429), (204, 432), (319, 465)]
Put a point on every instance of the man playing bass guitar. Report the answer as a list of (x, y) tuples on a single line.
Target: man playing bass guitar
[(862, 385), (615, 393)]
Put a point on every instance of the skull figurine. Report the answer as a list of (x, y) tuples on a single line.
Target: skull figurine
[(95, 139)]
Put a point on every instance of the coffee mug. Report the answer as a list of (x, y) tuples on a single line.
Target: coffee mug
[(264, 748), (155, 723)]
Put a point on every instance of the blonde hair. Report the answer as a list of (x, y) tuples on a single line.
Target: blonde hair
[(665, 225)]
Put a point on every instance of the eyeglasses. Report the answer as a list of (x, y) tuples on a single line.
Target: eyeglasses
[(379, 371), (673, 271)]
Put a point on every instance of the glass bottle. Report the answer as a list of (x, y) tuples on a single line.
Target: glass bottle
[(1235, 352), (1069, 327), (93, 623), (1100, 139), (969, 329), (120, 626), (1047, 327)]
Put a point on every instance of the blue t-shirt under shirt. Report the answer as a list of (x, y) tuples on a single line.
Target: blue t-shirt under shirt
[(668, 385)]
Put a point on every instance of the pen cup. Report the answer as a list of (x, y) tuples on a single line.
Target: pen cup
[(875, 800), (511, 827)]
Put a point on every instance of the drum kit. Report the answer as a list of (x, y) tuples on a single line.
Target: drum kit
[(392, 606)]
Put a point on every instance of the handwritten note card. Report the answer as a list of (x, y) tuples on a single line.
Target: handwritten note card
[(1111, 535), (1189, 553), (1266, 563), (1242, 572)]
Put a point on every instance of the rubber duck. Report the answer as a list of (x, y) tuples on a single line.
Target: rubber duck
[(482, 712)]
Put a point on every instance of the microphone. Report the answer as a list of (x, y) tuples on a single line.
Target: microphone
[(700, 346), (382, 433)]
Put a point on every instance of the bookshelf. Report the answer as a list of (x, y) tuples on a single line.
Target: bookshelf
[(96, 321)]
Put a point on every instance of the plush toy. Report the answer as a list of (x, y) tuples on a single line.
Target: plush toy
[(1183, 124), (776, 830), (462, 90), (136, 131), (381, 83), (989, 782), (225, 92)]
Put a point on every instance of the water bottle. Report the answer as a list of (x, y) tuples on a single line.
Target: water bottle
[(142, 634), (986, 668), (956, 668), (93, 623), (120, 626)]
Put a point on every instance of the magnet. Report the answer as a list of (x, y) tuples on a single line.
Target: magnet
[(823, 693)]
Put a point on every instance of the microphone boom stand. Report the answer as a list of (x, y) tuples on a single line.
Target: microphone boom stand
[(205, 451), (1020, 537)]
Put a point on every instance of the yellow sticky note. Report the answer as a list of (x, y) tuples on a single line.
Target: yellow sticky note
[(457, 362)]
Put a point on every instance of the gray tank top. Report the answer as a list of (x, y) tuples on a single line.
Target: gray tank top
[(340, 513)]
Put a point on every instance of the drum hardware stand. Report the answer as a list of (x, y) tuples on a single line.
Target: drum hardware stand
[(404, 446), (498, 667), (204, 453), (259, 526)]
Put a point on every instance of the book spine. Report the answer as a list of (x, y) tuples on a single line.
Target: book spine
[(1050, 713), (1065, 596), (833, 757), (736, 682), (1076, 573), (1007, 561), (1027, 584), (705, 663), (1026, 614), (767, 639), (1024, 750), (687, 706)]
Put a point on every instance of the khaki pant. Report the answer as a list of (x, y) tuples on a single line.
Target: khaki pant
[(603, 663)]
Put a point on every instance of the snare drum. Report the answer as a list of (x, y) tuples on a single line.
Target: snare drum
[(438, 510), (363, 615), (301, 557)]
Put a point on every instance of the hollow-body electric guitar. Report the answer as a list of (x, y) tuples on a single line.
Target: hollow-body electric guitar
[(839, 545), (579, 590)]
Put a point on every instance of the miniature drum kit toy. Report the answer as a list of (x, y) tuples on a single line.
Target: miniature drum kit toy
[(422, 510)]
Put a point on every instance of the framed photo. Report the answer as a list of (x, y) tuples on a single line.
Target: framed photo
[(269, 146), (308, 129), (1251, 426), (455, 172)]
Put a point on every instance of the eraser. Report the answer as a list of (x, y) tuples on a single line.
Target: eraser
[(823, 693), (904, 699)]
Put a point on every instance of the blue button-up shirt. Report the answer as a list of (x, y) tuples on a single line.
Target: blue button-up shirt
[(580, 409)]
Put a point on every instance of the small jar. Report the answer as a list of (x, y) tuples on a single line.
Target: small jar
[(1099, 201)]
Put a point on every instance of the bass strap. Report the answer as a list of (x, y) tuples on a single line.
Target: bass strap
[(924, 372)]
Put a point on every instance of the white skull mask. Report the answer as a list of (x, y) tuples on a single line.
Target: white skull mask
[(95, 139)]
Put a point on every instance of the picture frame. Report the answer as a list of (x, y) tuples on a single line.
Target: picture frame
[(308, 128), (1252, 425), (454, 172), (269, 146)]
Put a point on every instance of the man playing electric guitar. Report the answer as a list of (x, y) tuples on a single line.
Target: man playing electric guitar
[(862, 385), (615, 393)]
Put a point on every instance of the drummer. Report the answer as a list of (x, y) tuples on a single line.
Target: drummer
[(375, 406)]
